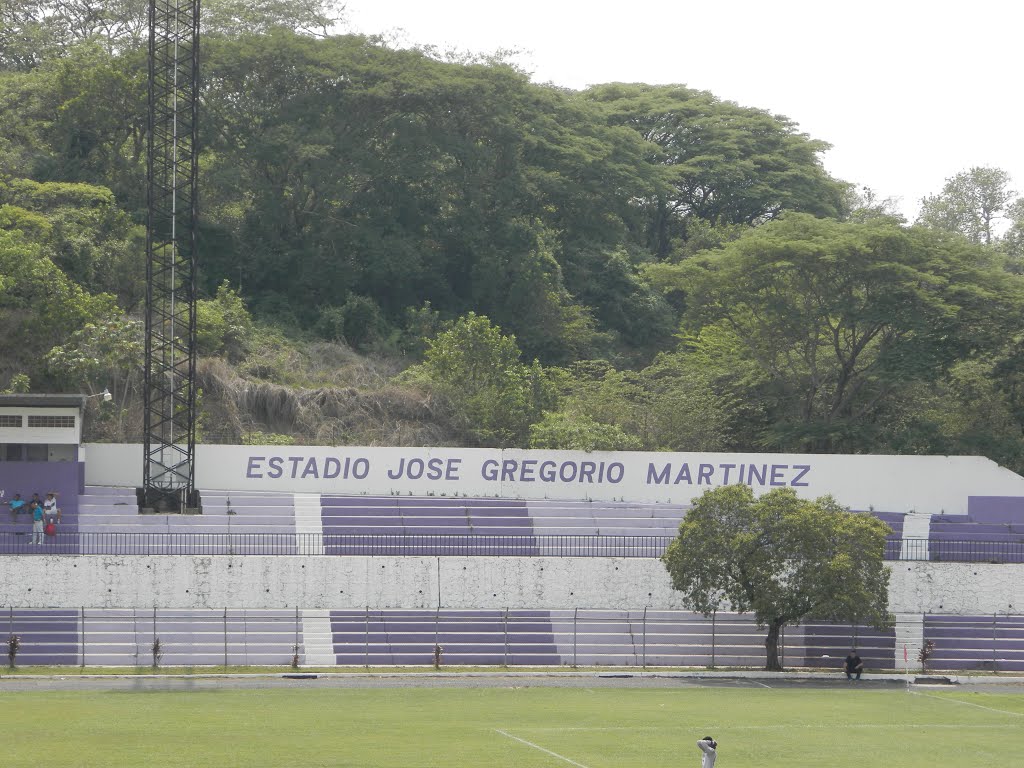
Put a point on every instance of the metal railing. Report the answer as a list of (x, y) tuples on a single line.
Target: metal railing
[(940, 550), (389, 637), (454, 544)]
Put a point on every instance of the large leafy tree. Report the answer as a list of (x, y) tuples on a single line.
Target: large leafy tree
[(491, 395), (342, 168), (39, 305), (722, 163), (970, 203), (671, 404), (85, 233), (823, 322), (782, 558), (32, 31)]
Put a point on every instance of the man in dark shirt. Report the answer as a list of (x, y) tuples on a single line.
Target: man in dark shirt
[(853, 665)]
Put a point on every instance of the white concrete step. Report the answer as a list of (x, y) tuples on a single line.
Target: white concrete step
[(318, 639), (308, 520)]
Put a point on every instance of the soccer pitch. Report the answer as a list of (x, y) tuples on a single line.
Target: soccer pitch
[(514, 726)]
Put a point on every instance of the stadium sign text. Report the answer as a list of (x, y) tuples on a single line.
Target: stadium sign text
[(539, 470)]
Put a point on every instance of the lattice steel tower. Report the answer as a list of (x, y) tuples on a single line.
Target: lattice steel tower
[(171, 174)]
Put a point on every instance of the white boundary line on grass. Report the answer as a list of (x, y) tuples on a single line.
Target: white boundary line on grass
[(542, 749), (968, 704)]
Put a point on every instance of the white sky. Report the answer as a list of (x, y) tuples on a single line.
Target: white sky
[(908, 92)]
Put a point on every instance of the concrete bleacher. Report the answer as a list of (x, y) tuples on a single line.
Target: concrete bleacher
[(980, 643), (226, 525), (604, 518), (47, 636), (124, 637), (592, 638), (543, 638), (826, 644), (16, 535), (346, 518), (264, 523), (472, 638), (992, 530), (357, 525)]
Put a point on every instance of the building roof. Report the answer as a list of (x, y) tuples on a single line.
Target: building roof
[(43, 401)]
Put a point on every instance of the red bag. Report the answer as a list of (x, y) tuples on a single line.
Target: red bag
[(50, 529)]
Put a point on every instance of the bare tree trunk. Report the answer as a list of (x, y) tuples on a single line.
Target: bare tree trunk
[(771, 645)]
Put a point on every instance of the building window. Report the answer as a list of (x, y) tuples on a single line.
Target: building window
[(60, 422), (8, 420), (37, 452)]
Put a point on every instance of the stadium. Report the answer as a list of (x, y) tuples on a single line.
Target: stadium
[(412, 226), (489, 554), (477, 577)]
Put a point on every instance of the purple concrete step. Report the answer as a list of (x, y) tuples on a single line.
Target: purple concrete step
[(494, 529), (999, 654), (986, 666)]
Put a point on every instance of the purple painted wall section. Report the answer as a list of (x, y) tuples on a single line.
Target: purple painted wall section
[(996, 509), (28, 477)]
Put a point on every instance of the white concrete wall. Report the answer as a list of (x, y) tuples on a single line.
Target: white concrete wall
[(930, 484), (27, 434), (429, 582), (969, 589)]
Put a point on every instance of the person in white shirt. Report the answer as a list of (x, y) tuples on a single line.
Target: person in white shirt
[(708, 746), (51, 512)]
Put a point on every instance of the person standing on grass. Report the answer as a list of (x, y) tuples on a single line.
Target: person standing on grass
[(853, 665), (708, 746)]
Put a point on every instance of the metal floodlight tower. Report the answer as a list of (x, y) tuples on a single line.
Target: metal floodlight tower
[(171, 178)]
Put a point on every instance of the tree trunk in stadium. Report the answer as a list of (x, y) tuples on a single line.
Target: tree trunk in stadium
[(771, 643)]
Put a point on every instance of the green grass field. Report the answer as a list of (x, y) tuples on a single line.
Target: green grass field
[(521, 727)]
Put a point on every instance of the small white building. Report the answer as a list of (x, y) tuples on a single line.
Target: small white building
[(40, 427), (40, 439)]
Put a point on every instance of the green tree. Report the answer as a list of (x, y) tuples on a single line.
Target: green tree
[(723, 163), (39, 306), (32, 31), (970, 203), (824, 321), (223, 324), (1013, 241), (253, 17), (579, 432), (95, 243), (106, 354), (341, 167), (674, 404), (492, 396), (782, 558)]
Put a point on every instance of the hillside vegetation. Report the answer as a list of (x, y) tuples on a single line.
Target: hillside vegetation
[(398, 248)]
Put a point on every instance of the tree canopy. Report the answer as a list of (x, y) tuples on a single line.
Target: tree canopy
[(782, 558), (827, 321), (677, 271)]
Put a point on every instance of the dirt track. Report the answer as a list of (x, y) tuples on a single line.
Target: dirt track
[(198, 682)]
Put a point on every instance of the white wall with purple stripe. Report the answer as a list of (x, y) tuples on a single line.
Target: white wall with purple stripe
[(932, 484)]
